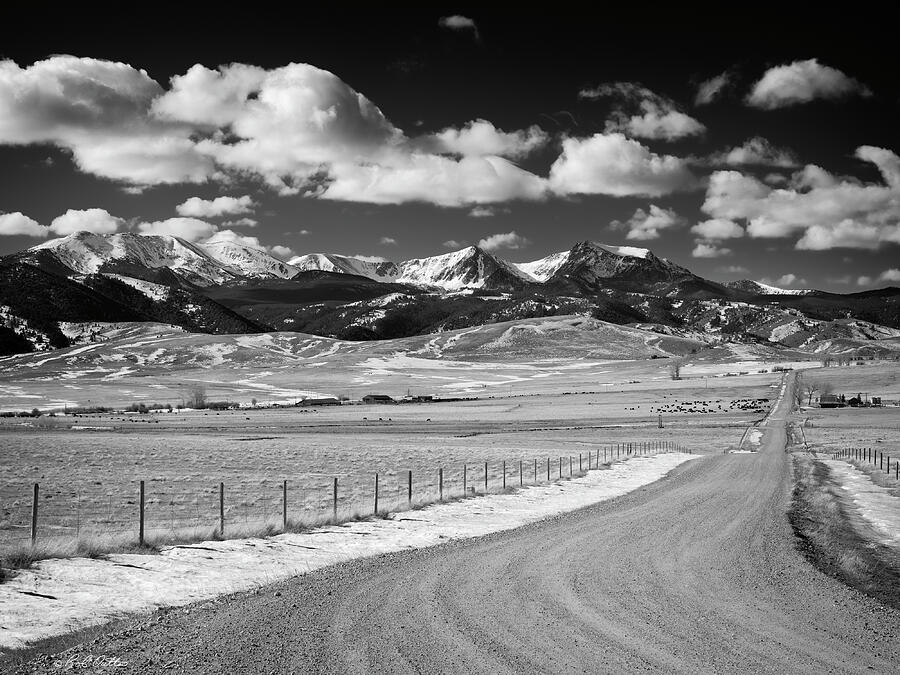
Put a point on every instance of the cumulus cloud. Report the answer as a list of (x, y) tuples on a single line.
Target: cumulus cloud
[(17, 223), (435, 179), (211, 208), (241, 222), (508, 240), (190, 229), (824, 210), (646, 225), (98, 221), (480, 137), (298, 128), (454, 244), (756, 151), (890, 275), (281, 251), (717, 229), (801, 82), (612, 164), (787, 279), (708, 250), (458, 22), (388, 241), (99, 110), (482, 212), (712, 89), (643, 113), (734, 269)]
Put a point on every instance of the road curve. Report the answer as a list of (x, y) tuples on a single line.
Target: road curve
[(696, 573)]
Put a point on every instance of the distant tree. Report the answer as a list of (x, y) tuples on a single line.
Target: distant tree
[(799, 389), (810, 388), (253, 402), (197, 398), (675, 369)]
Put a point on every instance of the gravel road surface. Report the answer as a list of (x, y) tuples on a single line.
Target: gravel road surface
[(697, 573)]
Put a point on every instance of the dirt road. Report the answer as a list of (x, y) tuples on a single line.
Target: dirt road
[(696, 573)]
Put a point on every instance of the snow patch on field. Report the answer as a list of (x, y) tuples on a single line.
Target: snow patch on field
[(82, 592), (876, 505)]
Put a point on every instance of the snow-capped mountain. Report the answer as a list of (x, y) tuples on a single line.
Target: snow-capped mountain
[(133, 254), (470, 267), (759, 288), (331, 262), (543, 269), (247, 260)]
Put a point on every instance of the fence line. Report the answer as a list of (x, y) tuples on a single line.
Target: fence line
[(877, 459), (280, 509)]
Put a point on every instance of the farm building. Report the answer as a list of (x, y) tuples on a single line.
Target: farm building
[(377, 398), (832, 401), (319, 401)]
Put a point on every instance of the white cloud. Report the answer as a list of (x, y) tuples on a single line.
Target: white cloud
[(98, 221), (756, 151), (711, 89), (303, 233), (454, 244), (241, 222), (509, 240), (801, 82), (480, 137), (824, 210), (459, 23), (298, 128), (864, 281), (708, 250), (211, 208), (612, 164), (281, 251), (100, 111), (717, 229), (646, 225), (643, 113), (190, 229), (435, 179), (388, 241), (892, 274), (482, 212), (17, 223), (734, 269)]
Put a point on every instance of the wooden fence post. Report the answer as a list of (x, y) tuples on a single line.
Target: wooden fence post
[(441, 483), (485, 476), (535, 471), (284, 505), (548, 468), (334, 497), (221, 509), (504, 474), (409, 487), (34, 514), (465, 487), (521, 474), (141, 528), (376, 494), (579, 463)]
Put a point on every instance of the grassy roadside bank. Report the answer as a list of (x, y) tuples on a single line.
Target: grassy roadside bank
[(834, 539)]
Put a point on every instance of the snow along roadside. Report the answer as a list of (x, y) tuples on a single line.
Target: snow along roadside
[(876, 505), (61, 596)]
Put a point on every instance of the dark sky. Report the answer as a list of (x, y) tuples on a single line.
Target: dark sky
[(515, 68)]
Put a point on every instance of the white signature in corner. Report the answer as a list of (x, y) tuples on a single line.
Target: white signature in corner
[(74, 663)]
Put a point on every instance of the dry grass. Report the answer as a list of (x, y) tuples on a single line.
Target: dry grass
[(22, 555), (836, 542)]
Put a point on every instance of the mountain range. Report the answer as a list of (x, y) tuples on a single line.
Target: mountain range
[(226, 286)]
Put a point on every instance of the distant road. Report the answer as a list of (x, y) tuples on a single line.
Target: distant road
[(696, 573)]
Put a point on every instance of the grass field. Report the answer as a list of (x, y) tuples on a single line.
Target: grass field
[(536, 390), (89, 467)]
